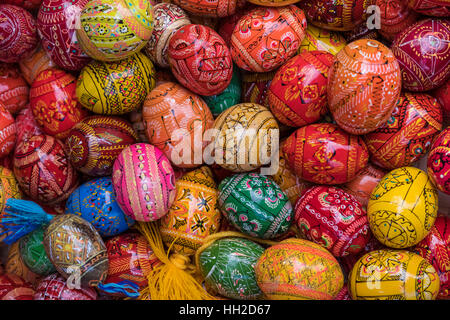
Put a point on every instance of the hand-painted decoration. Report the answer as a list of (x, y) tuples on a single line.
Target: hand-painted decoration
[(395, 16), (437, 8), (13, 287), (54, 287), (33, 253), (14, 89), (323, 40), (438, 163)]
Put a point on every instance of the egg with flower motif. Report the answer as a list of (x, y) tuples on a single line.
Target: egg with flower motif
[(8, 131)]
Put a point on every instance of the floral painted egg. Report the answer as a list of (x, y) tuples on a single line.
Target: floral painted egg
[(200, 59), (26, 125), (228, 266), (323, 153), (393, 275), (194, 215), (111, 30), (442, 94), (422, 50), (408, 133), (211, 8), (395, 16), (114, 88), (34, 64), (8, 131), (298, 93), (54, 104), (54, 287), (131, 259), (176, 120), (56, 24), (26, 4), (266, 37), (438, 8), (255, 86), (33, 253), (144, 182), (364, 84), (94, 143), (13, 287), (255, 205), (297, 269), (402, 208), (43, 171), (435, 248), (334, 219), (14, 89), (323, 40), (9, 188), (438, 163), (338, 15), (168, 19), (18, 33), (14, 265), (95, 202)]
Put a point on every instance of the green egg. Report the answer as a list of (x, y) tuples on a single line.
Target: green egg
[(32, 250)]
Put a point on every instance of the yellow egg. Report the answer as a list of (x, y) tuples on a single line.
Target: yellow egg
[(393, 275), (321, 39), (402, 208)]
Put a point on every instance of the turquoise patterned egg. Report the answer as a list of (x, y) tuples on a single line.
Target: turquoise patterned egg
[(255, 205), (228, 268)]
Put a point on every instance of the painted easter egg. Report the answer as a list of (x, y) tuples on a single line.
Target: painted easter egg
[(298, 93), (435, 248), (194, 215), (76, 250), (422, 50), (33, 253), (26, 4), (13, 287), (54, 104), (34, 64), (168, 19), (323, 153), (335, 15), (226, 24), (334, 219), (266, 37), (255, 86), (408, 133), (438, 163), (14, 264), (245, 137), (393, 275), (112, 30), (200, 59), (54, 287), (255, 205), (176, 120), (364, 84), (323, 40), (211, 8), (7, 131), (144, 182), (273, 3), (26, 125), (18, 33), (95, 202), (114, 88), (402, 208), (298, 269), (43, 171), (395, 16), (362, 31), (14, 89), (228, 266), (94, 144), (442, 94), (438, 8), (9, 188)]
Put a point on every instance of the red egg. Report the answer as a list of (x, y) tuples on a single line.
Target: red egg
[(200, 59), (26, 125), (344, 294), (438, 8), (408, 133), (298, 93), (54, 287), (54, 104), (13, 88), (443, 96), (323, 153), (18, 35), (423, 52), (26, 4), (395, 16), (227, 24), (7, 131), (13, 287), (438, 163), (209, 8)]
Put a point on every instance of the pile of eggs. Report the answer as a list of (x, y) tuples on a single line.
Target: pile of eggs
[(287, 149)]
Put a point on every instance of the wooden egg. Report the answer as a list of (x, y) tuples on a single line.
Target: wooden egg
[(144, 182), (7, 131), (26, 4), (334, 219), (255, 205), (176, 120), (298, 93), (54, 287), (364, 84), (111, 30), (323, 40), (408, 133), (442, 94), (395, 16), (26, 125), (255, 87), (423, 54), (43, 171), (76, 249), (438, 8), (33, 253), (13, 287), (273, 3), (228, 266), (438, 163), (211, 8), (297, 269), (266, 37), (194, 215), (94, 144), (15, 265), (18, 33), (114, 88), (34, 64), (402, 208), (393, 275), (226, 24), (323, 153), (14, 89), (54, 104), (9, 188)]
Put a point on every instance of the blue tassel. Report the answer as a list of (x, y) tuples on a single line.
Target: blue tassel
[(128, 288), (20, 218)]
